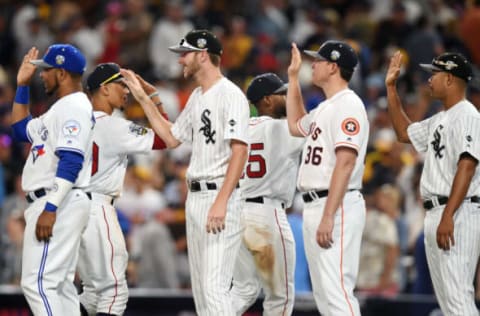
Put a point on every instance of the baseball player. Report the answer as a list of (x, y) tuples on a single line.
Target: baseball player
[(267, 254), (450, 181), (330, 174), (103, 255), (215, 121), (54, 177)]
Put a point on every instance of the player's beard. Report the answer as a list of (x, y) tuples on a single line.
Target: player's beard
[(280, 111), (52, 90), (189, 71)]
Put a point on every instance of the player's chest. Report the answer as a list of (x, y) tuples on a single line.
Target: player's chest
[(440, 137), (207, 122)]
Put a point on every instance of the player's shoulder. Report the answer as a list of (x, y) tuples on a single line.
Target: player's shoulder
[(258, 120)]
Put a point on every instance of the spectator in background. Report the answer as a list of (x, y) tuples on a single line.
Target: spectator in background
[(110, 29), (379, 254), (165, 33), (137, 25)]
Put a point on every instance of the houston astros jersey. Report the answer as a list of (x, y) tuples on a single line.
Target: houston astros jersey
[(273, 160), (67, 125), (113, 139), (340, 121), (443, 138), (209, 121)]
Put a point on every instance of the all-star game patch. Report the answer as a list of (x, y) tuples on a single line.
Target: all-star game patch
[(350, 126), (137, 129)]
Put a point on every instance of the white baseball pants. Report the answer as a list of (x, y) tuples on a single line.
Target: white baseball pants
[(212, 256), (103, 260), (334, 271), (453, 271), (48, 268)]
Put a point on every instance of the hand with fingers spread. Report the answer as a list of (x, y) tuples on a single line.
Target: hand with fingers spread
[(325, 232), (295, 62), (216, 218), (445, 230), (133, 84), (394, 68), (147, 86), (27, 69), (44, 228)]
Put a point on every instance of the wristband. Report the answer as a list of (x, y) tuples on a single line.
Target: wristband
[(154, 94), (22, 95), (49, 207), (158, 103)]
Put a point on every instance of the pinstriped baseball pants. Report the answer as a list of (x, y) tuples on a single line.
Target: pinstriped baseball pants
[(212, 256), (453, 271)]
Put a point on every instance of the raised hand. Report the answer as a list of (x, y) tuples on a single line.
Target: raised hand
[(394, 68), (132, 82), (147, 87), (27, 69), (295, 62)]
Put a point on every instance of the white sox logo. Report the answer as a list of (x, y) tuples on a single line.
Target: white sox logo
[(207, 128), (436, 142)]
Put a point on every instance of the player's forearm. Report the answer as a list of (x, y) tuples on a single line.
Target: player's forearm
[(295, 107), (21, 109), (390, 263), (234, 170), (345, 162), (397, 115), (461, 182), (159, 124)]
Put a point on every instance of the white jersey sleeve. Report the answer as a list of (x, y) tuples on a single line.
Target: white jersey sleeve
[(349, 124), (467, 131), (235, 116)]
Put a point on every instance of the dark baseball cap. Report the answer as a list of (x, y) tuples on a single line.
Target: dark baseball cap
[(63, 56), (453, 63), (103, 74), (336, 52), (197, 41), (264, 85)]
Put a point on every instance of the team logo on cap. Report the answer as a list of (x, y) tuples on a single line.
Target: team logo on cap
[(59, 59), (350, 126), (201, 43), (448, 65), (334, 55)]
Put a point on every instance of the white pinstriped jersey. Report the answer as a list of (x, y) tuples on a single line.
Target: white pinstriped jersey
[(340, 121), (113, 139), (67, 125), (444, 137), (273, 160), (209, 121)]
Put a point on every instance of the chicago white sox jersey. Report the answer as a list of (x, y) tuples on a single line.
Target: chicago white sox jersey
[(67, 125), (340, 121), (113, 139), (444, 137), (273, 160), (209, 121)]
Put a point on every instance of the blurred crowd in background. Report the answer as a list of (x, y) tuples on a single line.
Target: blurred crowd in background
[(256, 36)]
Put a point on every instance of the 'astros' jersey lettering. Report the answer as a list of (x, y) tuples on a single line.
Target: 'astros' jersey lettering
[(340, 121), (68, 125), (443, 138), (209, 121), (113, 139), (273, 160)]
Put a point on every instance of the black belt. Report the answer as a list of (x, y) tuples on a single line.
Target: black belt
[(310, 196), (42, 192), (89, 194), (442, 200), (37, 194), (259, 200), (195, 186)]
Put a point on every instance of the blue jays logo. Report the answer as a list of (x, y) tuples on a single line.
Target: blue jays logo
[(71, 128), (37, 151)]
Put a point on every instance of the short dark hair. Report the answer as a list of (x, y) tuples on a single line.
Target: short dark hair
[(215, 59), (346, 74)]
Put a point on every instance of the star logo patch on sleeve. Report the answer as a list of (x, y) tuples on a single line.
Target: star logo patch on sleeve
[(350, 126)]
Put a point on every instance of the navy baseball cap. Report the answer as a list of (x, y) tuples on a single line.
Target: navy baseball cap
[(264, 85), (64, 56), (103, 74), (197, 41), (453, 63), (336, 52)]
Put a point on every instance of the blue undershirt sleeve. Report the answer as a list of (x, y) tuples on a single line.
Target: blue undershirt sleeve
[(69, 165), (19, 130)]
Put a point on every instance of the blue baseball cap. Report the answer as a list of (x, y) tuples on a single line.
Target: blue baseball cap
[(64, 56)]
